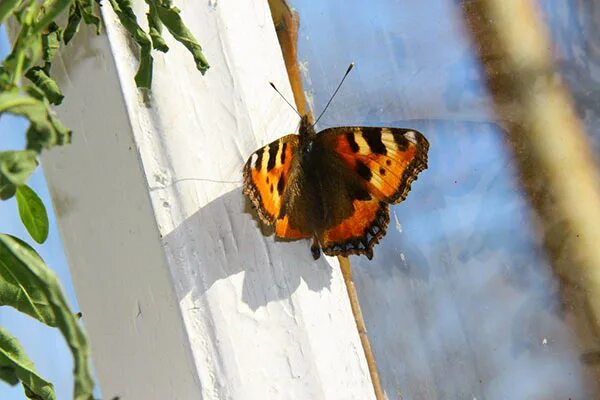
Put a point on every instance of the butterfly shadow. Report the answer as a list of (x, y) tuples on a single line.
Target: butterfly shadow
[(224, 238)]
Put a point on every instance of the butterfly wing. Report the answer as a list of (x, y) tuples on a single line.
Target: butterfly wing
[(266, 176), (386, 161)]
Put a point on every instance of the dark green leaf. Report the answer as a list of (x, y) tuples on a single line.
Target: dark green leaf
[(73, 24), (32, 213), (8, 375), (17, 166), (52, 9), (28, 285), (7, 188), (158, 42), (143, 77), (7, 7), (39, 78), (16, 365), (87, 11), (172, 20), (51, 42), (5, 83), (63, 134), (37, 139)]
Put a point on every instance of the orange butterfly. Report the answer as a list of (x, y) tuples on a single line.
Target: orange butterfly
[(334, 186)]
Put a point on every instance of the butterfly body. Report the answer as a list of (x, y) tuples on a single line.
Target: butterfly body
[(334, 186)]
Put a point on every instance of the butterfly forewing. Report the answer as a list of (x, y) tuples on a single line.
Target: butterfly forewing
[(266, 176), (387, 159)]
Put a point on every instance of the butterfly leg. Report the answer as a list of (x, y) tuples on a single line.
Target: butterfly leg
[(315, 248)]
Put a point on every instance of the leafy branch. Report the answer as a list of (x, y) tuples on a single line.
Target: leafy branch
[(28, 90)]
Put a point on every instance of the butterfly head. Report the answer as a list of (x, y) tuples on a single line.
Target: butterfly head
[(307, 132)]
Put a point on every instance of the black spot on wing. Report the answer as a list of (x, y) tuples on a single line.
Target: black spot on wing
[(373, 139), (352, 142), (280, 185), (363, 170), (283, 148), (273, 148), (258, 162), (360, 193), (401, 141)]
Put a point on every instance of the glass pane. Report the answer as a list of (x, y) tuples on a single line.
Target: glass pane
[(460, 301)]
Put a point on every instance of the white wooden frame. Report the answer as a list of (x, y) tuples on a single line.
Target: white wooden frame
[(181, 294)]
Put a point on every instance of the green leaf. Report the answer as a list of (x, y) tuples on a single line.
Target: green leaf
[(28, 285), (87, 11), (17, 166), (143, 77), (7, 188), (39, 77), (73, 24), (52, 9), (51, 42), (16, 366), (5, 83), (7, 8), (63, 134), (45, 130), (170, 17), (158, 42), (33, 213), (8, 375), (29, 107)]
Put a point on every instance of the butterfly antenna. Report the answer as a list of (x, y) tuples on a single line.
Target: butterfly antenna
[(334, 93), (284, 99)]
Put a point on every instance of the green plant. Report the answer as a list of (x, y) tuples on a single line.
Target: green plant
[(28, 90)]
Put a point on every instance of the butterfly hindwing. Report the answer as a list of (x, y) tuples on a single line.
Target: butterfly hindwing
[(358, 233), (285, 230), (266, 176)]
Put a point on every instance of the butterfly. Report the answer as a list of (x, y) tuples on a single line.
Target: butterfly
[(334, 186)]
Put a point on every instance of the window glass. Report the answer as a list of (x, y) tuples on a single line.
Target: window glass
[(460, 301)]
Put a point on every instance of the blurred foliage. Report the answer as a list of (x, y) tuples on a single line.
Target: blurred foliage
[(27, 89)]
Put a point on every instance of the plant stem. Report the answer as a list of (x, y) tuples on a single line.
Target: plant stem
[(556, 164), (360, 326), (22, 42)]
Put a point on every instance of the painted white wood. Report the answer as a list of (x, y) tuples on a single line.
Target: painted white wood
[(182, 295)]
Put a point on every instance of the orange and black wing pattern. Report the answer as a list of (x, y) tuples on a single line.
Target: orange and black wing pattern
[(266, 174), (360, 232), (386, 161)]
